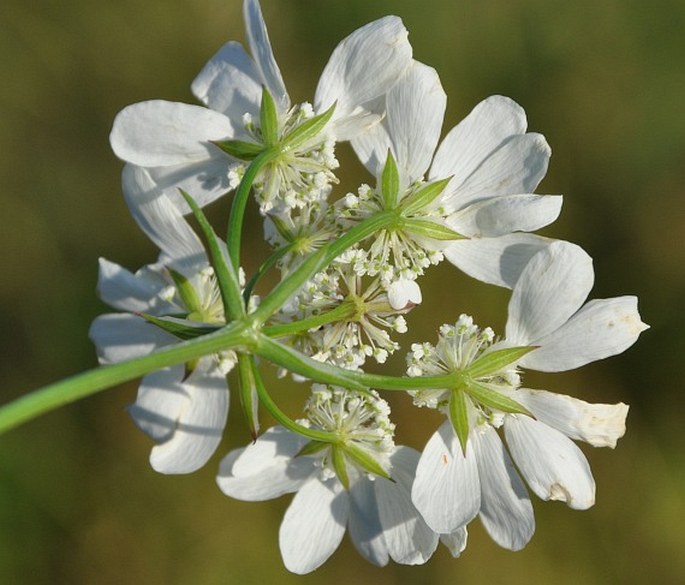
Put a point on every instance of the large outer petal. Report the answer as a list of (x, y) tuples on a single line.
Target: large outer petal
[(231, 84), (409, 539), (415, 110), (363, 66), (198, 426), (161, 219), (471, 141), (499, 216), (446, 490), (499, 261), (260, 46), (161, 133), (119, 337), (364, 523), (550, 289), (602, 328), (554, 467), (313, 525), (601, 425), (505, 510), (266, 469)]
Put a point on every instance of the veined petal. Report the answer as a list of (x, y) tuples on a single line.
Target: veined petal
[(553, 466), (455, 541), (313, 525), (517, 166), (601, 425), (550, 289), (499, 261), (471, 141), (404, 293), (260, 46), (265, 469), (409, 539), (416, 108), (230, 83), (200, 424), (601, 328), (160, 219), (498, 216), (136, 293), (371, 147), (505, 511), (446, 490), (365, 65), (161, 133), (364, 524), (119, 337)]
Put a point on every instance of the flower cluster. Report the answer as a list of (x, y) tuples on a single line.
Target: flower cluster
[(348, 267)]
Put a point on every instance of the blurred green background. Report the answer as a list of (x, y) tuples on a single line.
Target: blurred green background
[(604, 81)]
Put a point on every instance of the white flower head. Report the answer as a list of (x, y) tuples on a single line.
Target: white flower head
[(176, 141), (382, 522)]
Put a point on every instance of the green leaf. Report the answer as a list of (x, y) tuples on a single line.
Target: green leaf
[(240, 149), (268, 118), (491, 363), (312, 448), (390, 183), (495, 400), (307, 130), (181, 328), (365, 460), (430, 229), (249, 400), (459, 417), (340, 465), (186, 291), (423, 197)]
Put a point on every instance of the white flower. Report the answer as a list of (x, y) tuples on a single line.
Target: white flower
[(492, 165), (174, 141), (184, 411), (382, 522), (453, 484)]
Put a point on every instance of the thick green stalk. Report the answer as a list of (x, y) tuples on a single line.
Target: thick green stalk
[(90, 382), (340, 313)]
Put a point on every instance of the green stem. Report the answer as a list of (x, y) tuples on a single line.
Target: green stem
[(269, 263), (242, 195), (317, 261), (343, 311), (90, 382)]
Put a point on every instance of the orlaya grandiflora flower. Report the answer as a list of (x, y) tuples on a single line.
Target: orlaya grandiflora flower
[(461, 477), (335, 486), (470, 199), (177, 142), (183, 409)]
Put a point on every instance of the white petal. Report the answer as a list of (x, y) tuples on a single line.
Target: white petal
[(602, 328), (120, 337), (268, 468), (199, 427), (505, 510), (416, 107), (371, 146), (446, 490), (497, 261), (231, 84), (409, 539), (160, 133), (404, 293), (601, 425), (365, 65), (469, 143), (550, 289), (455, 541), (260, 46), (160, 218), (313, 525), (499, 216), (517, 166), (136, 293), (364, 524), (554, 467)]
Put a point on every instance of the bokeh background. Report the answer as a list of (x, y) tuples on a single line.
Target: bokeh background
[(604, 81)]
